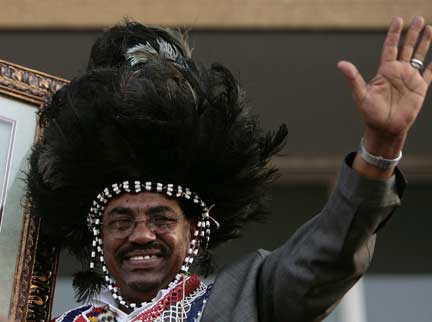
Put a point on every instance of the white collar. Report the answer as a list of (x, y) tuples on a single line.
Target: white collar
[(105, 297)]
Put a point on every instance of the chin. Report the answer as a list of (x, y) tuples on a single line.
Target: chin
[(145, 286), (147, 282)]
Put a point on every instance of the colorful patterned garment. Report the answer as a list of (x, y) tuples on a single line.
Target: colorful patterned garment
[(180, 303)]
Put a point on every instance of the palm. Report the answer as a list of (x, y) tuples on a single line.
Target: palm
[(393, 98), (391, 101)]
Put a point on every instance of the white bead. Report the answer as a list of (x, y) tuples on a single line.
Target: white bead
[(91, 265)]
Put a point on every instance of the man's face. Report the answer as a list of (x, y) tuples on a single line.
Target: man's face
[(144, 261)]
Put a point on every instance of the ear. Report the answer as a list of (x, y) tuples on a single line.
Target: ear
[(192, 227)]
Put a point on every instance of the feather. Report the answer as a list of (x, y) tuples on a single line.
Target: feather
[(87, 285), (155, 121), (140, 53)]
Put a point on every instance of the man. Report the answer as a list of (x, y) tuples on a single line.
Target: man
[(149, 159)]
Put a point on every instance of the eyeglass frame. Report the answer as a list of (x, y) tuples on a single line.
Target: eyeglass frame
[(170, 222)]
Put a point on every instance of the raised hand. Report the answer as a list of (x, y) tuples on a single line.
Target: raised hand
[(391, 101)]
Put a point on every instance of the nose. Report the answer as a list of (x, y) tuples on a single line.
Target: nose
[(142, 233)]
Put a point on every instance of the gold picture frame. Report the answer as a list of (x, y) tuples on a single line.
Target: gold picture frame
[(28, 261)]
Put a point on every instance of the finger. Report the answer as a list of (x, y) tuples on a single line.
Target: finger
[(427, 74), (424, 44), (355, 79), (411, 38), (390, 49)]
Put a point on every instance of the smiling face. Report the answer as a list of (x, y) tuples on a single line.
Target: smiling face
[(145, 260)]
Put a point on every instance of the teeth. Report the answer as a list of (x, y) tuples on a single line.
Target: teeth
[(140, 258)]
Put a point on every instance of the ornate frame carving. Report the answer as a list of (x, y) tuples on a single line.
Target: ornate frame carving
[(37, 259)]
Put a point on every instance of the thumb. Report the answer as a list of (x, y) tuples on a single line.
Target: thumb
[(354, 78)]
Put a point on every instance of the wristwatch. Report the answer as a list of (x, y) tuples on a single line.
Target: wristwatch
[(377, 161)]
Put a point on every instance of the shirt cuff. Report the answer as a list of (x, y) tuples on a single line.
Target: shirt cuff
[(370, 191)]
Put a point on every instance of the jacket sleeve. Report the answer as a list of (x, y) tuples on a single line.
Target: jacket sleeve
[(304, 278)]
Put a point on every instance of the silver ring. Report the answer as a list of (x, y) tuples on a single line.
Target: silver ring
[(416, 63)]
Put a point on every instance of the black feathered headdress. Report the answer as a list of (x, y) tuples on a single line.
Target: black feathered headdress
[(144, 110)]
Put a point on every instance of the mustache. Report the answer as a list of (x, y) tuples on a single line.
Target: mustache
[(123, 251)]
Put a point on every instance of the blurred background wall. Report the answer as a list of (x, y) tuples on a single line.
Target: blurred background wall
[(284, 53)]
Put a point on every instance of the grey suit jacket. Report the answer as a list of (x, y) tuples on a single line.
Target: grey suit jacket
[(302, 280)]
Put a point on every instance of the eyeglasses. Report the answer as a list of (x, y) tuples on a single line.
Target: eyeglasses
[(122, 227)]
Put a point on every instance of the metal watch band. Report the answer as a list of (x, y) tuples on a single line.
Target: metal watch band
[(378, 161)]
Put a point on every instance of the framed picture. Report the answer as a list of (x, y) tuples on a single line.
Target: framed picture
[(27, 262)]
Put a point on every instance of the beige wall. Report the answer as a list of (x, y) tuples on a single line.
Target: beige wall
[(261, 14)]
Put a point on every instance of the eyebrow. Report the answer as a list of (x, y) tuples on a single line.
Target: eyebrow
[(150, 211)]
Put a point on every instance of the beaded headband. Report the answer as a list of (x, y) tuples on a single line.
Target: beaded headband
[(94, 219)]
